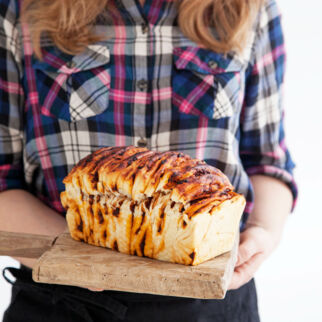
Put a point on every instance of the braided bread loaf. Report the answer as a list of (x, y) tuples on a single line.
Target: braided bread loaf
[(163, 205)]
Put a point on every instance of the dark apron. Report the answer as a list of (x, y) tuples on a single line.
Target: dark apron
[(35, 302)]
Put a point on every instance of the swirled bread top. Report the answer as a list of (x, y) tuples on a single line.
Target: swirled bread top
[(138, 173)]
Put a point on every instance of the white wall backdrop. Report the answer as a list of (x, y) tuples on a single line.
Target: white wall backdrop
[(289, 282)]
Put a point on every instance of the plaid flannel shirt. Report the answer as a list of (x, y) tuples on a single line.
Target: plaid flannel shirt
[(148, 85)]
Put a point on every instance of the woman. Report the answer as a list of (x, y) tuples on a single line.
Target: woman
[(203, 77)]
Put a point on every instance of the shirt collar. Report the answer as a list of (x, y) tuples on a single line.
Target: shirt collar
[(153, 11)]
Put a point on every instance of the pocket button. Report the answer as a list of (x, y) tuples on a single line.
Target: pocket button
[(70, 64), (212, 64)]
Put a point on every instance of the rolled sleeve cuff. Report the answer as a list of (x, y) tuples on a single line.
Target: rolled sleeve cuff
[(11, 177), (277, 173)]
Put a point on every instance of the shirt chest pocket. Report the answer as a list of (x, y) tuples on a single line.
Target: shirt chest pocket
[(205, 82), (74, 89)]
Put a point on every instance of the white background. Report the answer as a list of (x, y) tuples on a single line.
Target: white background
[(289, 282)]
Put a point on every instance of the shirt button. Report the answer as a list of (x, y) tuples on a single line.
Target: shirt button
[(144, 28), (142, 143), (143, 85), (212, 64)]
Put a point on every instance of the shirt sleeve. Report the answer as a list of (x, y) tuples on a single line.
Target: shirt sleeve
[(262, 143), (11, 99)]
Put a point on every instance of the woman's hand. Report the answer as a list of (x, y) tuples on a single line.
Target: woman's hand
[(96, 289), (264, 227), (256, 244)]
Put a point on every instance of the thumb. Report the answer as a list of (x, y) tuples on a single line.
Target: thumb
[(247, 248)]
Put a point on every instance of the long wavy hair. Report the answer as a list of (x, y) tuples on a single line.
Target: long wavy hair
[(69, 23)]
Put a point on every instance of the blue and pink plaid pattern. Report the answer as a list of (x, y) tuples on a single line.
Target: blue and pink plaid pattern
[(145, 84)]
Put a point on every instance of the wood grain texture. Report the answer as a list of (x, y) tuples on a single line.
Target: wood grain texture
[(75, 263), (24, 245)]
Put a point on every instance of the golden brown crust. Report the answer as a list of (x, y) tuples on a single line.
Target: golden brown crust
[(149, 171), (145, 203)]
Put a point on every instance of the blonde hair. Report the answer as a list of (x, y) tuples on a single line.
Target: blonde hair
[(69, 23)]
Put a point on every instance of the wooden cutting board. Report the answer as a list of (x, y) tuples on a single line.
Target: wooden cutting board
[(70, 262)]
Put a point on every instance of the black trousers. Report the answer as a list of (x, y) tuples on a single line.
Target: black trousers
[(34, 302)]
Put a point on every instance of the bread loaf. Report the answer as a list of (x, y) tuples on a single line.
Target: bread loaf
[(162, 205)]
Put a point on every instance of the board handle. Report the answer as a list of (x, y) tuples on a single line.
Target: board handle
[(24, 245)]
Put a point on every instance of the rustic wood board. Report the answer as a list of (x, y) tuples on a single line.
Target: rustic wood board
[(69, 262), (24, 245)]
